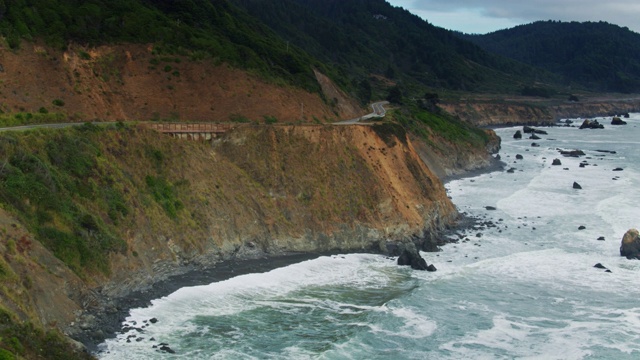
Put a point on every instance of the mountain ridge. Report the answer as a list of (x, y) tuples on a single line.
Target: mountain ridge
[(595, 55)]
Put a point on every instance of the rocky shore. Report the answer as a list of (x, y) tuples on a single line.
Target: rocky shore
[(108, 320)]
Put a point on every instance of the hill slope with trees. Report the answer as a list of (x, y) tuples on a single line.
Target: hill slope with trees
[(596, 55), (365, 37)]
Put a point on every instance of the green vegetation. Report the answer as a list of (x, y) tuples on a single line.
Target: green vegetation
[(364, 37), (43, 116), (23, 340), (58, 102), (216, 30), (270, 119), (59, 185), (164, 193), (237, 118), (538, 91), (426, 125), (596, 55)]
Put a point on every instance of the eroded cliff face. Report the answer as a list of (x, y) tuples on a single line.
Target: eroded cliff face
[(488, 113), (135, 82), (258, 191)]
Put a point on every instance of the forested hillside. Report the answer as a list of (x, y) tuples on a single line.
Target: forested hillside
[(597, 55), (365, 37)]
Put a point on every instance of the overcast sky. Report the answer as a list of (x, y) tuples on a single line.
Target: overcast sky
[(483, 16)]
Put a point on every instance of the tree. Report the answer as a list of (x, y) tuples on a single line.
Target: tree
[(395, 95)]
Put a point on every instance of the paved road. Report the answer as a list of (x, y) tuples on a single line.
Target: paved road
[(378, 112), (46, 126)]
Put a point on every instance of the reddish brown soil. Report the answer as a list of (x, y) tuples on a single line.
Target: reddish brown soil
[(129, 82)]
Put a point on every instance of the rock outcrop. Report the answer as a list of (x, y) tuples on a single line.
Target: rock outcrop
[(409, 256), (617, 121), (630, 247), (591, 124)]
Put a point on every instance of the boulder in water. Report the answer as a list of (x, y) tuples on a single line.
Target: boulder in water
[(517, 135), (618, 121), (556, 162), (409, 256), (519, 157), (591, 124), (630, 247), (576, 186), (534, 137)]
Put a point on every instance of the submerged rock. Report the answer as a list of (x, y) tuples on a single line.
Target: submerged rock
[(630, 247), (572, 153)]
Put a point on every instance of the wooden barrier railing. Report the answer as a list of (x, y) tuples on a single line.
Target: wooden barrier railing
[(176, 128)]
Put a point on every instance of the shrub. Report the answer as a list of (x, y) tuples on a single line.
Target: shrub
[(164, 194), (58, 102), (270, 119), (84, 55), (237, 118)]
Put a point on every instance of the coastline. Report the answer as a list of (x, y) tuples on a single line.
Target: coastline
[(107, 321)]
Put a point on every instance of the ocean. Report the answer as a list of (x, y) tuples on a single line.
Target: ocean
[(525, 288)]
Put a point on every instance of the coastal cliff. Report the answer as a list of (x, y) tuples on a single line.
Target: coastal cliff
[(537, 112), (140, 207)]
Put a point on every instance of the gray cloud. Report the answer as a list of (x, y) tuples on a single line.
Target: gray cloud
[(620, 12)]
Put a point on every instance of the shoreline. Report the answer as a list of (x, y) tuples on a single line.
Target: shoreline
[(108, 321)]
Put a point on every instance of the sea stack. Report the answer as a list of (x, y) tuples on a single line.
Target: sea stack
[(630, 247)]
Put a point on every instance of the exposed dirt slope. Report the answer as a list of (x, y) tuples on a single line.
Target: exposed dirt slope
[(131, 82)]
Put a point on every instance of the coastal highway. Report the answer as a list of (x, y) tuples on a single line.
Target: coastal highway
[(45, 126), (378, 112)]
